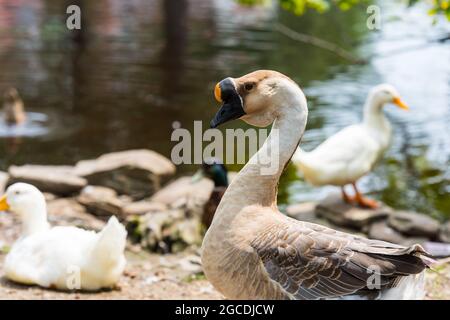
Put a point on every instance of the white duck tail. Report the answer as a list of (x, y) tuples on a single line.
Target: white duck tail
[(311, 169), (109, 248), (107, 260), (298, 156)]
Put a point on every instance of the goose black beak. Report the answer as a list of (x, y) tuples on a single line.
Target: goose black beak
[(232, 108)]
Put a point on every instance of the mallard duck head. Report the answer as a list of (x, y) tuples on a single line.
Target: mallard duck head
[(214, 169)]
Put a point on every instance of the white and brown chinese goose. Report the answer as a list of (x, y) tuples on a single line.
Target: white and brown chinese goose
[(252, 251)]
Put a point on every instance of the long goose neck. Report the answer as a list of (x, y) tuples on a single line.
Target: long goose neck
[(257, 183)]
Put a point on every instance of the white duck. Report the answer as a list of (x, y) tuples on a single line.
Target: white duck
[(63, 258), (352, 152), (252, 251)]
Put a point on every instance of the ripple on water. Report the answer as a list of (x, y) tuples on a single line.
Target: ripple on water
[(34, 126)]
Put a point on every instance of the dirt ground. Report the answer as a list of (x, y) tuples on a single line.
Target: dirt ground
[(156, 276), (147, 276)]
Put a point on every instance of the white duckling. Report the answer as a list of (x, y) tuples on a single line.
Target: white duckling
[(64, 258), (13, 110), (352, 152)]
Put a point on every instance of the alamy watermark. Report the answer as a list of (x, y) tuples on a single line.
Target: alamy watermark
[(73, 280), (238, 143), (373, 21), (73, 22)]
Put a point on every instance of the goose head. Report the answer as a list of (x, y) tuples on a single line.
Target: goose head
[(257, 98), (25, 200), (386, 93)]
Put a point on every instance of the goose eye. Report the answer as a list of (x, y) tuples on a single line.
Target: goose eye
[(16, 193), (249, 86)]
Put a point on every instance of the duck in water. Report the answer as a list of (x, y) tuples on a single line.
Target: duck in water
[(13, 109)]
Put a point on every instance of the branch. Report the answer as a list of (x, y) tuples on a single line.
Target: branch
[(318, 42)]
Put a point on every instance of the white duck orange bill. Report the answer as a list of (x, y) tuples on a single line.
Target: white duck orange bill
[(400, 103), (218, 93), (3, 203)]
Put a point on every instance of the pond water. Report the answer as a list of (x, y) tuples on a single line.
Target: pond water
[(137, 66)]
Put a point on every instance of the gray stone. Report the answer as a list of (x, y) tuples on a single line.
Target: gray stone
[(4, 177), (143, 207), (102, 201), (437, 249), (137, 173), (185, 194), (184, 233), (68, 212), (191, 264), (49, 196), (414, 224), (302, 211), (343, 214), (60, 180), (381, 231), (166, 231), (444, 233)]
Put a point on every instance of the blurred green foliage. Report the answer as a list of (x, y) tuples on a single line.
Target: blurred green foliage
[(299, 7)]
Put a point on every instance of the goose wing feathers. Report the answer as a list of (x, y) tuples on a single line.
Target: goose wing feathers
[(310, 261)]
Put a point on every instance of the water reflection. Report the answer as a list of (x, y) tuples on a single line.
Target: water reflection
[(33, 126), (136, 66)]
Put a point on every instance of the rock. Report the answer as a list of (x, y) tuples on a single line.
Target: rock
[(60, 180), (143, 207), (437, 249), (444, 233), (302, 211), (4, 177), (183, 193), (192, 264), (382, 231), (102, 201), (137, 173), (414, 224), (184, 233), (154, 226), (341, 213), (49, 196), (166, 232), (68, 212)]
